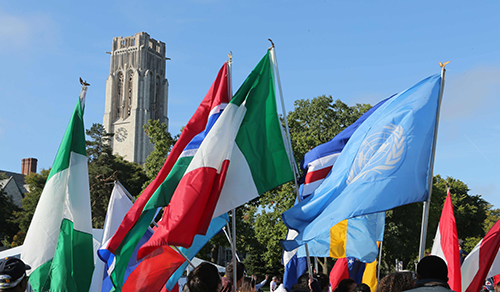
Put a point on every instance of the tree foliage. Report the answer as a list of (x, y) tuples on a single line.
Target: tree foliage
[(8, 227), (104, 168), (163, 143)]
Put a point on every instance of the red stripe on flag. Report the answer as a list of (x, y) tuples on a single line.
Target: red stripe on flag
[(317, 174), (217, 94), (449, 244), (190, 210), (339, 272), (154, 271), (487, 253)]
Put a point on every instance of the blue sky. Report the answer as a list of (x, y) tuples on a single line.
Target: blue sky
[(356, 51)]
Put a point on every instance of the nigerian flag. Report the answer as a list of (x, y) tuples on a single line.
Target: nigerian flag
[(58, 245)]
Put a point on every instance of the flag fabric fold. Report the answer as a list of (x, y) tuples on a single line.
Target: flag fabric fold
[(198, 243), (446, 244), (316, 165), (59, 244), (352, 268), (119, 205), (482, 262), (384, 164), (242, 157), (158, 193)]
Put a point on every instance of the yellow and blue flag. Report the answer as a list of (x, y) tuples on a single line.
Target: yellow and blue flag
[(385, 164)]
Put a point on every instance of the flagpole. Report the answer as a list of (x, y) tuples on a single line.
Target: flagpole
[(426, 207), (379, 261), (291, 157), (154, 223), (233, 246), (230, 242)]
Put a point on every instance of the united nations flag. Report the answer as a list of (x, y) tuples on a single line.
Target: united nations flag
[(385, 164)]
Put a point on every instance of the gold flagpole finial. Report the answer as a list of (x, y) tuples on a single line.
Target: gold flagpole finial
[(443, 65), (230, 56), (272, 44)]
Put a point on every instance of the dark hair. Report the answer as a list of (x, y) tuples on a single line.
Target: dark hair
[(240, 270), (248, 285), (323, 281), (396, 282), (362, 287), (204, 278), (345, 285), (432, 267), (302, 283)]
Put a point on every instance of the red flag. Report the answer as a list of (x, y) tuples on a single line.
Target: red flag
[(339, 272), (446, 244), (154, 271), (482, 261), (217, 94)]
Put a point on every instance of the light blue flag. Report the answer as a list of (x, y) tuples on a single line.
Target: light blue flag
[(385, 164), (199, 241)]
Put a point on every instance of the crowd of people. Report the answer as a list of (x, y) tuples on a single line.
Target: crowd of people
[(432, 276)]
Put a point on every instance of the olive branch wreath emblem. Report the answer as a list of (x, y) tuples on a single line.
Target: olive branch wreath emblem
[(396, 143)]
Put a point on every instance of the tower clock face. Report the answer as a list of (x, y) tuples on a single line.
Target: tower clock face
[(121, 134)]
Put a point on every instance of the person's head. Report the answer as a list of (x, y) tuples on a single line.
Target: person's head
[(204, 278), (13, 274), (396, 282), (275, 279), (362, 287), (346, 285), (302, 284), (248, 285), (432, 267), (497, 287), (240, 271), (323, 281)]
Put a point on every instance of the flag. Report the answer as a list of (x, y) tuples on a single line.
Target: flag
[(446, 244), (198, 243), (242, 157), (384, 164), (59, 244), (316, 165), (136, 222), (352, 268), (119, 205), (483, 261)]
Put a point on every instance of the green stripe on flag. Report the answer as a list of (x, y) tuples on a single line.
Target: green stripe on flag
[(71, 268), (259, 137), (73, 141)]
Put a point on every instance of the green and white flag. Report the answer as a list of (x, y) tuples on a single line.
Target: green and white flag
[(58, 245)]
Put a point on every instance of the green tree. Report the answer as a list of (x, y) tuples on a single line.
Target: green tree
[(403, 224), (104, 168), (8, 226), (36, 183), (311, 123), (163, 143)]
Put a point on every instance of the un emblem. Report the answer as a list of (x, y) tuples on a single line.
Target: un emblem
[(381, 153)]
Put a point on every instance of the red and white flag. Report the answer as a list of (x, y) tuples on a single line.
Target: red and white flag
[(446, 244), (482, 262)]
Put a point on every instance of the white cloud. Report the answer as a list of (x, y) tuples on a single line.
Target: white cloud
[(471, 93), (25, 32)]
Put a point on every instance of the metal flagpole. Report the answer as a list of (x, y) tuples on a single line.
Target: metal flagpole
[(425, 213), (233, 246), (154, 223), (379, 262), (230, 242), (289, 146)]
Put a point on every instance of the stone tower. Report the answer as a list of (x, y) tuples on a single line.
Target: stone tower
[(136, 91)]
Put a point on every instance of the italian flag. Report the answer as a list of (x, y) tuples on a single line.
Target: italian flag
[(58, 245), (242, 156)]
